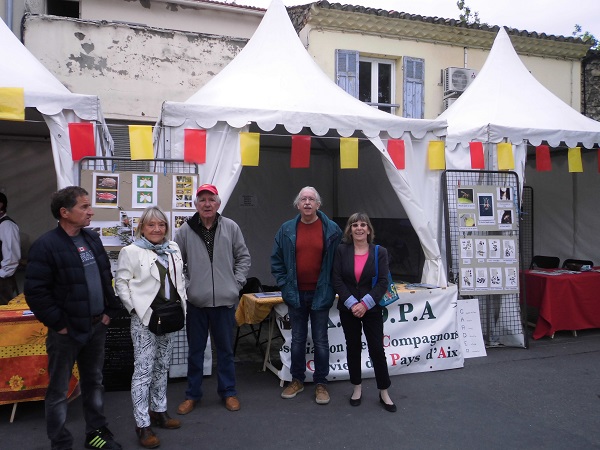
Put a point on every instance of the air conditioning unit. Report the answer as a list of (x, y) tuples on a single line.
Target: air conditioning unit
[(448, 101), (457, 79)]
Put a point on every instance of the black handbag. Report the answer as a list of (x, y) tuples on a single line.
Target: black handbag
[(167, 316)]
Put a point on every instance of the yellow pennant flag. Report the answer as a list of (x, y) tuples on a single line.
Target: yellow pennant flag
[(140, 142), (575, 160), (12, 103), (436, 156), (506, 160), (250, 148), (348, 153)]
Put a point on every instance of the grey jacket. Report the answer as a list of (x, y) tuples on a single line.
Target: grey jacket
[(217, 283)]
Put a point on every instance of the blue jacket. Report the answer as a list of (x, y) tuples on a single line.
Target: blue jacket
[(283, 263), (55, 284)]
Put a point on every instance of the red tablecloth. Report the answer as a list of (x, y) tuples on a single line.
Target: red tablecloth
[(23, 359), (565, 301)]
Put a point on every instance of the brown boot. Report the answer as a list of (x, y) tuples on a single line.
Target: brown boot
[(147, 437), (163, 420)]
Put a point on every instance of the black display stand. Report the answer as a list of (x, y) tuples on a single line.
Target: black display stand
[(118, 360)]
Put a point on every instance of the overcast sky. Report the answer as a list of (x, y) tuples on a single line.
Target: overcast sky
[(556, 17)]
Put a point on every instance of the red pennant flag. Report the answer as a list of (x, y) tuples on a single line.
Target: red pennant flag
[(81, 136), (194, 146), (300, 158), (397, 153), (477, 160), (542, 158)]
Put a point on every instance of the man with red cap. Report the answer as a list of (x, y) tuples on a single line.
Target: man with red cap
[(217, 260)]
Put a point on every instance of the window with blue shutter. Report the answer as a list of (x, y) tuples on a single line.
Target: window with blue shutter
[(414, 80), (346, 71)]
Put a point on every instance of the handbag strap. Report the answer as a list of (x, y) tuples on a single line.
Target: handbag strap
[(374, 280)]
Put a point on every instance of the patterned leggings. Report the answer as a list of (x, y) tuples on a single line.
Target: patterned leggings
[(152, 356)]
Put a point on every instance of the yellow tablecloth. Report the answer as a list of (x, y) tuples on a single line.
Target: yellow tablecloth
[(253, 310), (23, 359)]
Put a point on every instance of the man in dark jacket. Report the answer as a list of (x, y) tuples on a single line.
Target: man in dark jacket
[(68, 286), (301, 262)]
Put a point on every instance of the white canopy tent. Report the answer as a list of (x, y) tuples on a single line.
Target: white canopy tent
[(505, 103), (57, 105), (272, 83)]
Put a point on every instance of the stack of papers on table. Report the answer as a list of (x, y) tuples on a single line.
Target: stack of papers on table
[(268, 294)]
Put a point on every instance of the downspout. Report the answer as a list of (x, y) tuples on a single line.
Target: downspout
[(9, 14)]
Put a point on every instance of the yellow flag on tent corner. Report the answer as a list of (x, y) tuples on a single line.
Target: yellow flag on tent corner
[(574, 157), (140, 142), (12, 103), (436, 156), (506, 160), (249, 148), (348, 153)]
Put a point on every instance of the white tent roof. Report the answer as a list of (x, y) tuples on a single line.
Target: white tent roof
[(274, 80), (19, 68), (506, 101)]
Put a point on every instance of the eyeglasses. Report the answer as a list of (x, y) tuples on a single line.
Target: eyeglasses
[(308, 199)]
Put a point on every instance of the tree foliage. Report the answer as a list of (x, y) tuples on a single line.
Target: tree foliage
[(466, 15), (586, 36)]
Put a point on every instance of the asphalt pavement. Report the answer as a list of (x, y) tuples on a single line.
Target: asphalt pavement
[(543, 397)]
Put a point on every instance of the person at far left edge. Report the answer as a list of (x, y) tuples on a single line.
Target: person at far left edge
[(68, 286)]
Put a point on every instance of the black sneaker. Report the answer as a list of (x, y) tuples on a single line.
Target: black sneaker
[(102, 438)]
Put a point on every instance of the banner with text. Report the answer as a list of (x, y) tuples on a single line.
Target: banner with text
[(419, 335)]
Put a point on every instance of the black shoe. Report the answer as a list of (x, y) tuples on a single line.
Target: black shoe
[(390, 408), (101, 438), (355, 401)]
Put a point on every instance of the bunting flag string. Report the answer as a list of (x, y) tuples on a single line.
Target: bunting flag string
[(542, 158), (477, 158), (506, 160), (300, 157), (81, 136), (436, 156), (574, 157), (249, 148), (348, 153), (194, 146), (397, 152), (12, 104), (140, 142)]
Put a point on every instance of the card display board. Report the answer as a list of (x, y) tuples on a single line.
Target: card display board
[(119, 198), (482, 217)]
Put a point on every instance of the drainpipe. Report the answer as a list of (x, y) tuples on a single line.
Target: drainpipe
[(9, 14)]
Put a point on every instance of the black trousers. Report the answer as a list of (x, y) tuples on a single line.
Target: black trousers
[(372, 325), (8, 289)]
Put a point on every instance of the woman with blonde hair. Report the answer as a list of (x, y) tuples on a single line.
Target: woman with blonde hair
[(150, 274)]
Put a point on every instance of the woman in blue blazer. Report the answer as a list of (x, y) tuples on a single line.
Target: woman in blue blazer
[(353, 273)]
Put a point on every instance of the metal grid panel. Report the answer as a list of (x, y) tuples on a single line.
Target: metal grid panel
[(526, 226), (179, 357), (501, 320), (120, 164)]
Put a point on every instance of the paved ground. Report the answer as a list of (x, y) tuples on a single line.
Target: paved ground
[(544, 397)]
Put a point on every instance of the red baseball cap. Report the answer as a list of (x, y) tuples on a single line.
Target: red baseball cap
[(207, 187)]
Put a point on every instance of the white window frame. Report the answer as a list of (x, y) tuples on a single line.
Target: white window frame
[(375, 78)]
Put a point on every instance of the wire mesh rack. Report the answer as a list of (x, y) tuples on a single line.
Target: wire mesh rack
[(500, 313)]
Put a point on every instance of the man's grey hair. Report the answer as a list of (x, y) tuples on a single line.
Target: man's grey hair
[(297, 199)]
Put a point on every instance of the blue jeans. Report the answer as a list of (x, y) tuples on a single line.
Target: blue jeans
[(220, 321), (318, 324), (63, 351)]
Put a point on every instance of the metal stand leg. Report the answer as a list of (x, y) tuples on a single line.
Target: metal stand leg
[(14, 410)]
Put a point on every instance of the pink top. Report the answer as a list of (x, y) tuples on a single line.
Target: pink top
[(359, 265)]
